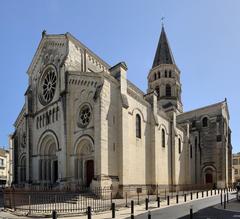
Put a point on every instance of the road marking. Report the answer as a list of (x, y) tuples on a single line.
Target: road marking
[(236, 215)]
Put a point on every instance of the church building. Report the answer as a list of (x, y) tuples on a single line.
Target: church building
[(84, 123)]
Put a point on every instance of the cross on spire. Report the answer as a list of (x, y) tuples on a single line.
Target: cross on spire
[(162, 19)]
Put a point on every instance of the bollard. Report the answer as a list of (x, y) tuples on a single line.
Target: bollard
[(224, 206), (177, 199), (89, 213), (197, 195), (113, 210), (146, 203), (54, 214), (132, 216), (221, 198), (168, 200), (202, 194), (29, 205), (185, 197), (227, 197), (218, 191), (191, 195), (215, 191), (132, 207), (158, 202), (207, 193), (149, 215), (211, 192), (126, 201), (191, 213)]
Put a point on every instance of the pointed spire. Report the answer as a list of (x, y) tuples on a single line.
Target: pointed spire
[(163, 53)]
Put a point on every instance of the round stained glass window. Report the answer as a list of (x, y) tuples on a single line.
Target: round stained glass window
[(84, 116), (48, 84)]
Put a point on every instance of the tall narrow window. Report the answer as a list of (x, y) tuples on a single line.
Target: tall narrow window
[(170, 74), (179, 146), (138, 126), (163, 138), (205, 122), (168, 90), (157, 91), (155, 76), (165, 74), (190, 151), (159, 74)]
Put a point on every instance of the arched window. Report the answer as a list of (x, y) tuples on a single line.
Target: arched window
[(179, 146), (170, 74), (155, 76), (138, 126), (165, 73), (23, 169), (157, 91), (205, 122), (168, 90), (163, 138), (159, 74)]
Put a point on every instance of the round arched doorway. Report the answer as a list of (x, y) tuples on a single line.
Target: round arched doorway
[(84, 161), (209, 175), (48, 162)]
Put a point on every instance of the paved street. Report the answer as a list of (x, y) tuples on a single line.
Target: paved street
[(180, 211)]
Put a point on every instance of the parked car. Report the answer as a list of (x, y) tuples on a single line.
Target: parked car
[(238, 195), (238, 186)]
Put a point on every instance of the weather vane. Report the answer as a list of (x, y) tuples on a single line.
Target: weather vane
[(162, 19)]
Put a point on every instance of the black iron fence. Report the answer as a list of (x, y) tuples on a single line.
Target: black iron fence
[(64, 202), (43, 201)]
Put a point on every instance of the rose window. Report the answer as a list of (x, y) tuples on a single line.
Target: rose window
[(84, 116), (48, 85)]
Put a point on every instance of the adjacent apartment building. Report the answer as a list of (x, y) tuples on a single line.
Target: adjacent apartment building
[(4, 167), (236, 167)]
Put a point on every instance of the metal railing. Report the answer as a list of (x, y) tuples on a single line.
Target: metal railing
[(64, 202)]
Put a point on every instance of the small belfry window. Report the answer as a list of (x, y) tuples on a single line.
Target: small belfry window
[(138, 126), (179, 146), (168, 90), (157, 91), (205, 122), (155, 76), (163, 138)]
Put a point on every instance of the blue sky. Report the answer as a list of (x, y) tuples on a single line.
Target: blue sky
[(204, 37)]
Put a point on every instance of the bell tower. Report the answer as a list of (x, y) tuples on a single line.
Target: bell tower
[(164, 77)]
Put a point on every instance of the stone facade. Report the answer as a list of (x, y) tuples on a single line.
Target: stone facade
[(84, 123)]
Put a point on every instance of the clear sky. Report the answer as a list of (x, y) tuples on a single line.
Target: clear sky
[(204, 37)]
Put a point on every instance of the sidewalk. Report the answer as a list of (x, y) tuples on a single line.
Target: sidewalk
[(140, 209)]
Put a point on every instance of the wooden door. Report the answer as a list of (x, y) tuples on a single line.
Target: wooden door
[(209, 178), (89, 172)]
